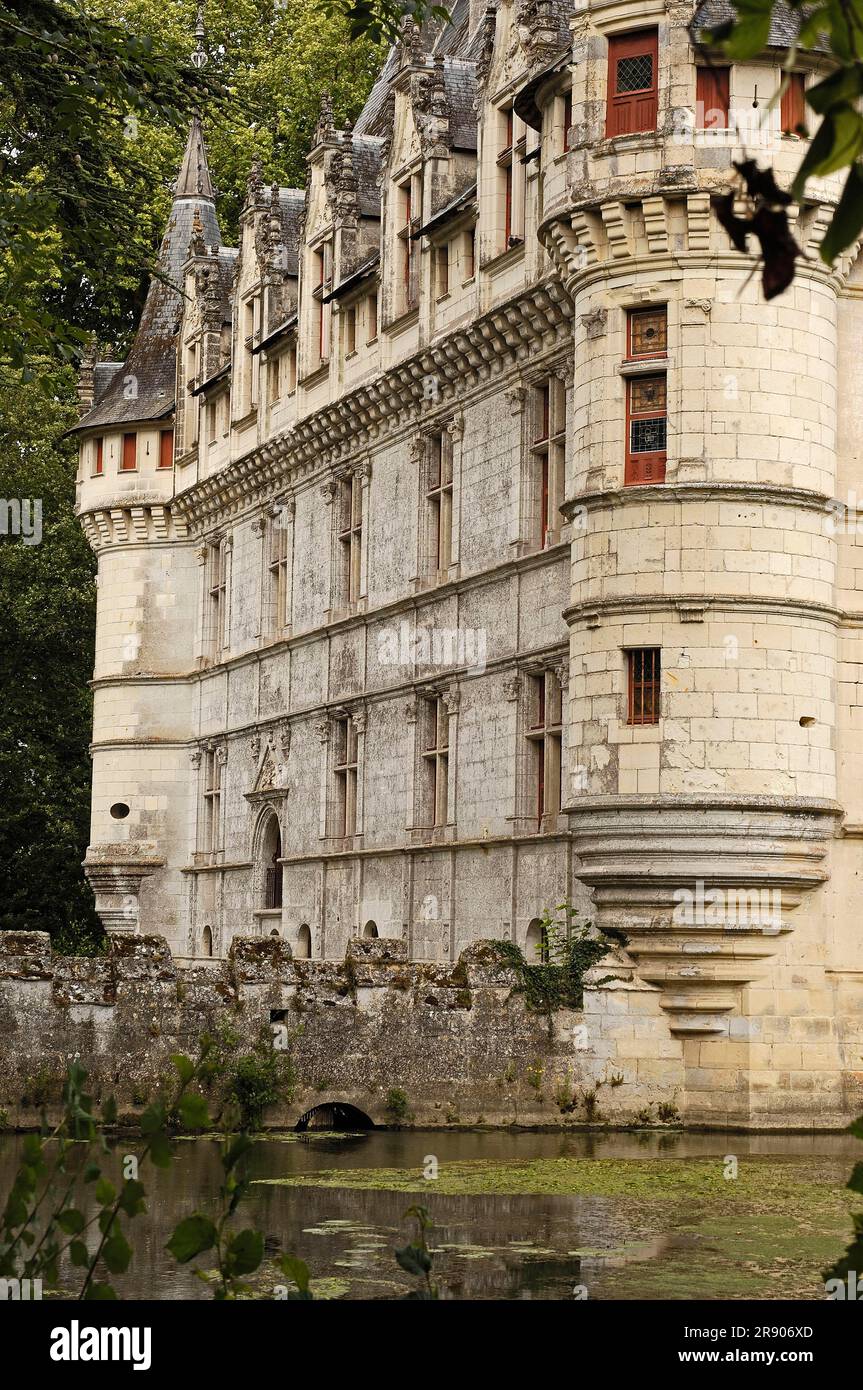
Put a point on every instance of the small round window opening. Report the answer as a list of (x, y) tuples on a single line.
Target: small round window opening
[(119, 810)]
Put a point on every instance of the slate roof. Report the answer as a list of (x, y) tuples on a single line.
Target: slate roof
[(784, 22), (151, 361), (367, 167)]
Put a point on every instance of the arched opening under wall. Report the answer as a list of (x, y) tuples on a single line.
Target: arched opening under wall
[(370, 931), (335, 1114), (303, 948), (536, 943), (207, 941), (274, 932), (271, 853)]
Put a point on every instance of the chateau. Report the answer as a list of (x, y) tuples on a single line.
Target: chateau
[(475, 537)]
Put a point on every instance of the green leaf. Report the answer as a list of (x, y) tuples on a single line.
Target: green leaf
[(846, 84), (856, 1127), (117, 1252), (295, 1270), (78, 1254), (194, 1235), (92, 1172), (100, 1293), (193, 1111), (184, 1067), (106, 1193), (132, 1196), (837, 142), (71, 1221), (161, 1152), (109, 1111), (235, 1151), (844, 229), (747, 36), (413, 1259), (245, 1252), (153, 1118)]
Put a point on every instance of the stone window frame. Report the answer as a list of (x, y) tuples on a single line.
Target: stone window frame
[(276, 528), (319, 265), (215, 557), (510, 204), (404, 278), (450, 433), (345, 600), (210, 759), (523, 688), (427, 823), (523, 405), (339, 776), (249, 332)]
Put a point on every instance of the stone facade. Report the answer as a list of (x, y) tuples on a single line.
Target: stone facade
[(372, 615)]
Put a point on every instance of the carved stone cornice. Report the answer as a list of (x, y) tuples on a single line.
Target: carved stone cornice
[(534, 320)]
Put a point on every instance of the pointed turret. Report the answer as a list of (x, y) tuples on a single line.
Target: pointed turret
[(144, 388)]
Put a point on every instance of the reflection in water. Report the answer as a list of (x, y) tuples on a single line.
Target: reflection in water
[(489, 1246)]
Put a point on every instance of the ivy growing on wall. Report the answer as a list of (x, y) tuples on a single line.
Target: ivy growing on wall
[(568, 948)]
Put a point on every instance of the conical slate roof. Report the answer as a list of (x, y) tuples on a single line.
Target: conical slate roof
[(143, 389)]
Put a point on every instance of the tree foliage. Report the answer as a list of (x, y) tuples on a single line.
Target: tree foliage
[(833, 30), (47, 631), (96, 98)]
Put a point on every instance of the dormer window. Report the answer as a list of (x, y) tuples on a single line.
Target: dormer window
[(322, 281), (372, 317), (442, 270), (632, 83), (409, 207), (511, 177)]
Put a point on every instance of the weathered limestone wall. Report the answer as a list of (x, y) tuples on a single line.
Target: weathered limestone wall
[(456, 1040)]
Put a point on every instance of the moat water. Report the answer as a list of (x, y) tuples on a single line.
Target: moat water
[(515, 1215)]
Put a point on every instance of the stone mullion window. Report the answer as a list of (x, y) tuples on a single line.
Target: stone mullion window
[(350, 536), (542, 720), (345, 769), (212, 793), (363, 475), (434, 757), (547, 471), (511, 176), (438, 457), (279, 568), (217, 584)]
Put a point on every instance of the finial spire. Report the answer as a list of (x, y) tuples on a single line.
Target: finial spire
[(200, 56), (194, 177)]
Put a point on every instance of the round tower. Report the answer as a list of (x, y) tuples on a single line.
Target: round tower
[(147, 594), (702, 615)]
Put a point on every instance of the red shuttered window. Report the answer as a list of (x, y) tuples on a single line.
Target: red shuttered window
[(646, 429), (646, 397), (632, 83), (793, 105), (166, 449), (711, 98), (130, 453), (100, 451)]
